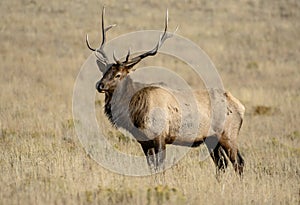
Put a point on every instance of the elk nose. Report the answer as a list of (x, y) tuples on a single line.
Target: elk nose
[(99, 86)]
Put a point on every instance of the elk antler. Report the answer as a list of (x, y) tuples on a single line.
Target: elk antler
[(100, 49), (130, 63)]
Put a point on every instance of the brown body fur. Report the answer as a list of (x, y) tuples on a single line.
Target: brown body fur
[(155, 97)]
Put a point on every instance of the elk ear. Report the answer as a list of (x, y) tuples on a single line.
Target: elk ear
[(102, 66)]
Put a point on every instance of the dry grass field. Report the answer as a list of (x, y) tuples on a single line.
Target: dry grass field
[(255, 46)]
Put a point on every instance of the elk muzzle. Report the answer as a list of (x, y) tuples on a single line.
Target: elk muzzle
[(100, 86)]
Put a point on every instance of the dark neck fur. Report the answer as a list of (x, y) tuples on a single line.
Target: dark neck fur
[(125, 87), (107, 106)]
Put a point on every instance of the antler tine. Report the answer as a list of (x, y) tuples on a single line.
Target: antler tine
[(152, 52), (126, 59), (127, 56), (88, 44), (166, 35), (104, 30), (117, 61)]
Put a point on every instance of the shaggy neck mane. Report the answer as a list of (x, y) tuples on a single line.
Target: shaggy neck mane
[(107, 106), (118, 98)]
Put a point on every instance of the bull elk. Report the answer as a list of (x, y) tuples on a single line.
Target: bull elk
[(131, 109)]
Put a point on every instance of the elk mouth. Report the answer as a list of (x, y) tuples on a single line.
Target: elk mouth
[(102, 90)]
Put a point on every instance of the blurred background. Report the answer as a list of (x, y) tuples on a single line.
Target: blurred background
[(255, 47)]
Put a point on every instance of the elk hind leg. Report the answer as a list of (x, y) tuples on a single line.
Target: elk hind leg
[(240, 161), (234, 155)]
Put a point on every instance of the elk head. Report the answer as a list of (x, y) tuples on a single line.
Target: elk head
[(113, 73)]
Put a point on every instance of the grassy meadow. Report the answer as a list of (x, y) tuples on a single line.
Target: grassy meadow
[(255, 46)]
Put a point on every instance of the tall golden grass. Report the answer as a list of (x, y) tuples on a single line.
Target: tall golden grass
[(255, 47)]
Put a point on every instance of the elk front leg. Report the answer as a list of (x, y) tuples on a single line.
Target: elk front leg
[(149, 151), (155, 152), (160, 152)]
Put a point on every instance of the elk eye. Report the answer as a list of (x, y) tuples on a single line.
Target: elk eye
[(118, 75)]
